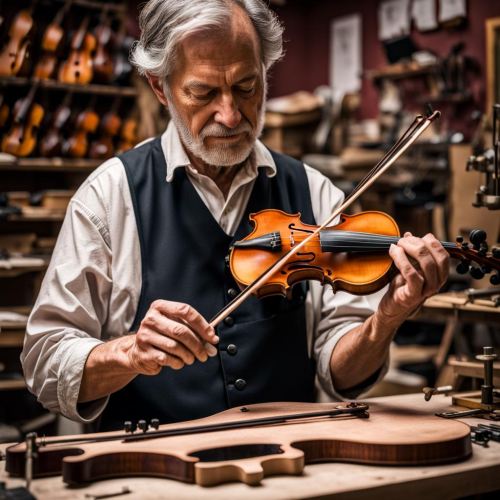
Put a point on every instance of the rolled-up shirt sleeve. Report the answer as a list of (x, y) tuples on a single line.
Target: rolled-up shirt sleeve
[(68, 317), (334, 315)]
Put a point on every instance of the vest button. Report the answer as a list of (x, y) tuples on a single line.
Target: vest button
[(232, 349), (232, 292), (229, 321), (240, 384)]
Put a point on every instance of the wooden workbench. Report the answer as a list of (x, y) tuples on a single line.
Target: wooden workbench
[(479, 474)]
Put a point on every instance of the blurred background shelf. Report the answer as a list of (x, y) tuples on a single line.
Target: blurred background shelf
[(57, 164)]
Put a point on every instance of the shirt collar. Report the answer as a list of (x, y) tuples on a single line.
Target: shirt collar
[(176, 157)]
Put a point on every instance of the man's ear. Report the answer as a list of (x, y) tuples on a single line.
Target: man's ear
[(154, 81)]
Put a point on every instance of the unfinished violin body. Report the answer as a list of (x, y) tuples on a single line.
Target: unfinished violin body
[(247, 444)]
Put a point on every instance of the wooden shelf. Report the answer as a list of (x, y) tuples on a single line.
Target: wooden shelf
[(10, 385), (455, 97), (90, 88), (30, 218), (12, 337), (52, 164), (13, 272), (399, 71), (91, 4)]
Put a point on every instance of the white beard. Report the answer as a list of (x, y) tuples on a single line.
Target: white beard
[(220, 155)]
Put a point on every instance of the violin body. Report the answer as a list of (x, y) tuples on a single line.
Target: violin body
[(22, 137), (103, 63), (78, 69), (391, 435), (14, 57), (46, 67), (103, 147), (128, 136), (78, 144), (356, 273), (52, 143), (352, 256)]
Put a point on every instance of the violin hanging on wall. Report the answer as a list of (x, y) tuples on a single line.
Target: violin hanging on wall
[(27, 117), (51, 143), (87, 122), (102, 60), (15, 55), (52, 43), (78, 68)]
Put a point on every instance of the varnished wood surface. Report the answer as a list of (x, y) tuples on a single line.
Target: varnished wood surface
[(478, 474)]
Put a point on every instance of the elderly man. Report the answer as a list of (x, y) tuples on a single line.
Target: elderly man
[(120, 327)]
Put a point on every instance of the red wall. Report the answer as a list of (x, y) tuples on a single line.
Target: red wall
[(307, 32)]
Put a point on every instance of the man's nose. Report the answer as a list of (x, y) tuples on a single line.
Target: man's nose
[(227, 112)]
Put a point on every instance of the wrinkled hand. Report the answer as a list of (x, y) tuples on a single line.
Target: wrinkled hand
[(171, 334), (424, 266)]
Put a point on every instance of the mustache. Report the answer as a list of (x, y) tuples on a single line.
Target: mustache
[(215, 129)]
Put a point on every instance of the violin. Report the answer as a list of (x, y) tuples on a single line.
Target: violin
[(15, 55), (248, 443), (103, 63), (102, 148), (128, 135), (351, 256), (52, 44), (78, 143), (78, 69), (27, 117), (123, 68), (51, 143)]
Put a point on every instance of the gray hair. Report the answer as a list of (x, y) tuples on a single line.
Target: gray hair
[(165, 23)]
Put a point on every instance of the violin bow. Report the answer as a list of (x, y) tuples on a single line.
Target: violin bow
[(416, 129)]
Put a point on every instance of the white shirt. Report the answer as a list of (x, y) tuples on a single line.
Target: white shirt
[(91, 290)]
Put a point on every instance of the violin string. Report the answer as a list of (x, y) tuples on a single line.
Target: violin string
[(411, 137), (358, 410)]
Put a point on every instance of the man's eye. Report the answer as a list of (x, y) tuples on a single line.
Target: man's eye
[(246, 91), (202, 97)]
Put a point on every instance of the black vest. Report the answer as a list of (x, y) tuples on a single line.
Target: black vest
[(183, 251)]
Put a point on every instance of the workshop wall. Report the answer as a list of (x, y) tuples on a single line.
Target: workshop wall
[(307, 35)]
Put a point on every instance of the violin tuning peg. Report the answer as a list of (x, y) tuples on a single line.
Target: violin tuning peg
[(465, 246), (495, 279), (127, 426), (155, 423), (460, 239), (486, 269), (477, 236), (463, 268), (496, 252), (142, 424), (476, 273)]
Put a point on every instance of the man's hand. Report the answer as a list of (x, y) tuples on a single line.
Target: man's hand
[(171, 334), (424, 265)]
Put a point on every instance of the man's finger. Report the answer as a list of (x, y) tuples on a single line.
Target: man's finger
[(171, 346), (440, 256), (416, 248), (178, 332), (414, 280), (188, 314)]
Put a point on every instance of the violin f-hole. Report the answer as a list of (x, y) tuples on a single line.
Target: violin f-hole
[(292, 226), (300, 254)]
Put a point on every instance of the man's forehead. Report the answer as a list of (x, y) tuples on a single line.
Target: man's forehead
[(233, 49)]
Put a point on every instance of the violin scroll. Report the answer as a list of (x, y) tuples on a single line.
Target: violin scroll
[(487, 261)]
